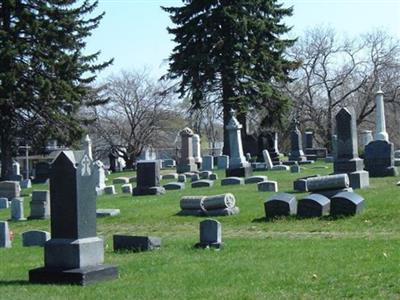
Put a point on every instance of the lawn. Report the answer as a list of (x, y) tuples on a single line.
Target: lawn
[(289, 258)]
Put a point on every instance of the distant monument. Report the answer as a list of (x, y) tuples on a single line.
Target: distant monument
[(186, 161)]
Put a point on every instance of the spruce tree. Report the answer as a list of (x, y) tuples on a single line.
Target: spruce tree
[(44, 75), (231, 52)]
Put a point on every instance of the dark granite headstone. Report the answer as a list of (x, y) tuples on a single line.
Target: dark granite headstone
[(309, 139), (42, 172), (74, 254), (136, 243), (346, 204), (314, 205), (281, 204), (148, 178), (379, 159)]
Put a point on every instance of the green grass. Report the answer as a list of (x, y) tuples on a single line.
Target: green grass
[(288, 258)]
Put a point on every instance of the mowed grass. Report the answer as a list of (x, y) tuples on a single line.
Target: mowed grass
[(288, 258)]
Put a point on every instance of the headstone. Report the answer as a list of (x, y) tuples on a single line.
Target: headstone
[(267, 159), (216, 205), (182, 178), (35, 238), (9, 189), (16, 168), (186, 161), (248, 157), (197, 150), (267, 186), (208, 163), (223, 162), (126, 188), (4, 203), (205, 174), (366, 138), (202, 183), (347, 160), (5, 239), (195, 177), (74, 254), (17, 209), (169, 163), (109, 190), (255, 179), (170, 176), (113, 161), (314, 205), (213, 176), (120, 180), (174, 186), (135, 243), (296, 151), (100, 175), (132, 179), (280, 168), (295, 169), (379, 159), (268, 140), (107, 212), (281, 204), (210, 234), (42, 172), (346, 204), (40, 205), (329, 182), (309, 139), (232, 181), (26, 184), (148, 178), (238, 166)]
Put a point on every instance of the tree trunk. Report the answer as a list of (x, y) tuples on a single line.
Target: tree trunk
[(227, 93), (7, 151)]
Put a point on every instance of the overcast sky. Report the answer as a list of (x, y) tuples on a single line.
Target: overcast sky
[(133, 32)]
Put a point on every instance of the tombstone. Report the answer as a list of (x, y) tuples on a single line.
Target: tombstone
[(195, 177), (100, 175), (215, 205), (148, 178), (169, 176), (268, 140), (334, 146), (238, 166), (329, 182), (210, 234), (4, 203), (35, 238), (182, 178), (205, 174), (192, 205), (208, 163), (281, 204), (9, 189), (74, 254), (107, 212), (347, 160), (213, 176), (267, 186), (16, 168), (169, 163), (267, 159), (295, 169), (186, 160), (26, 183), (17, 209), (202, 183), (5, 239), (366, 138), (309, 139), (120, 180), (42, 172), (197, 150), (248, 157), (113, 161), (314, 205), (380, 122), (346, 204), (223, 162), (296, 151), (232, 181), (109, 190), (174, 186), (300, 184), (280, 168), (135, 243), (255, 179), (40, 205), (126, 188)]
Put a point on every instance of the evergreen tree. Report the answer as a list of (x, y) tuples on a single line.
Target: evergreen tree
[(231, 50), (44, 75)]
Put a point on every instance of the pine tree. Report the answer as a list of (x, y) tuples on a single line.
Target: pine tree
[(44, 76), (233, 52)]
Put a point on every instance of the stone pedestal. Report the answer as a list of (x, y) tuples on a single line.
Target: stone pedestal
[(186, 161), (379, 159)]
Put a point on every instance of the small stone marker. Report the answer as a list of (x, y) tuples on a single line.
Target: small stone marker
[(267, 159), (132, 179), (107, 212), (232, 181), (255, 179), (281, 204), (26, 184), (182, 178), (4, 203), (136, 243), (314, 205), (17, 209), (294, 169), (40, 205), (126, 188), (346, 204), (174, 186), (223, 162), (205, 174), (9, 189), (195, 177), (202, 183), (210, 234), (280, 168), (109, 190), (169, 163), (35, 238), (213, 176), (5, 240), (120, 180), (170, 176), (300, 184), (208, 163), (267, 186)]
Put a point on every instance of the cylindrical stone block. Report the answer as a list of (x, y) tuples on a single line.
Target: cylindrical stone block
[(329, 182), (192, 202), (219, 201)]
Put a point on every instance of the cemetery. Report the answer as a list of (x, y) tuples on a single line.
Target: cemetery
[(259, 165)]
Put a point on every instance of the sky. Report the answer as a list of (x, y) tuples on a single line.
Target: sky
[(133, 32)]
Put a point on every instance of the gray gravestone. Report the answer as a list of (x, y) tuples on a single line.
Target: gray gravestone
[(232, 181), (120, 180), (42, 172), (40, 205), (174, 186), (295, 169), (296, 150), (208, 163), (4, 203), (35, 238), (267, 186), (170, 176), (314, 205), (210, 234), (5, 240), (126, 188), (213, 176), (205, 174), (379, 159), (267, 159), (329, 182), (136, 243), (197, 150), (182, 178), (255, 179), (309, 139), (107, 212), (9, 189), (347, 160), (148, 178), (223, 162), (74, 254), (281, 204), (186, 161), (17, 209), (109, 190), (346, 204), (202, 183)]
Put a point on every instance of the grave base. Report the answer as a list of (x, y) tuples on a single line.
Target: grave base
[(239, 172), (81, 276), (154, 190), (359, 179)]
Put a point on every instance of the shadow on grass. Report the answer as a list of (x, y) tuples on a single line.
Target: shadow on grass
[(14, 282)]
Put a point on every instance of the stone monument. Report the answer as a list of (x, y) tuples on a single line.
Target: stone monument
[(186, 161), (238, 166), (74, 254), (197, 150), (148, 178), (346, 159), (366, 138), (296, 151)]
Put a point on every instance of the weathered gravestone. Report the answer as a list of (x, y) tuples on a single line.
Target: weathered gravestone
[(17, 209), (223, 162), (346, 204), (296, 150), (148, 178), (314, 205), (35, 238), (5, 239), (9, 189), (136, 243), (210, 234), (40, 205), (255, 179), (366, 138), (174, 186), (267, 186), (186, 161), (281, 204), (267, 159), (4, 203), (238, 166), (42, 172), (347, 160), (100, 175), (268, 140), (126, 188), (107, 212), (197, 150), (113, 161), (202, 183), (208, 163), (74, 254), (232, 181)]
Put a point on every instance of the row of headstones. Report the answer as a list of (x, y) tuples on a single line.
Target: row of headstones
[(29, 238)]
